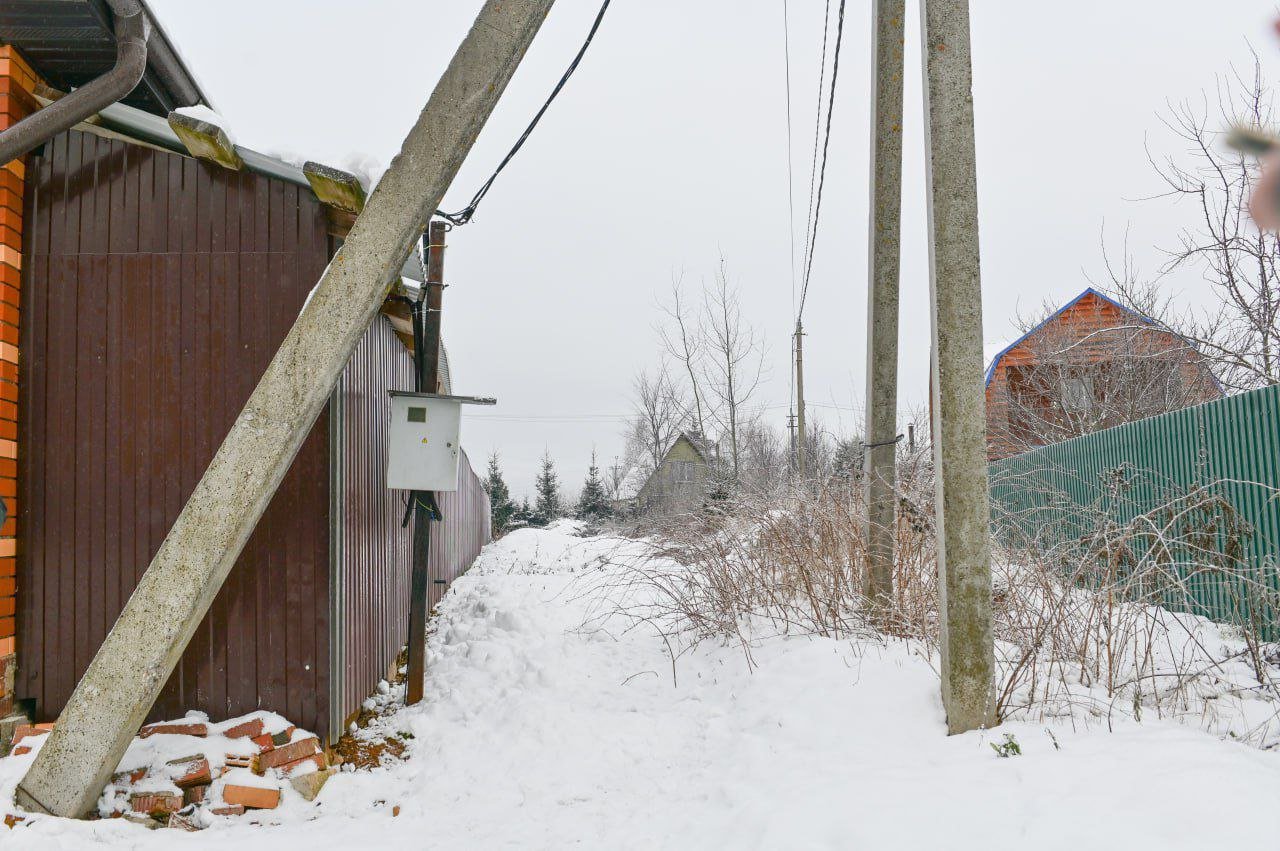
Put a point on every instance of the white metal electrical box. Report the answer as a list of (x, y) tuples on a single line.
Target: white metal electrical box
[(423, 445)]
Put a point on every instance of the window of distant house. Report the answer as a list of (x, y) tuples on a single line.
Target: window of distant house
[(1077, 393), (682, 471)]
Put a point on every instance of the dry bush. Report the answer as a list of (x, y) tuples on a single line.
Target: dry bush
[(1109, 617), (1096, 625), (786, 562)]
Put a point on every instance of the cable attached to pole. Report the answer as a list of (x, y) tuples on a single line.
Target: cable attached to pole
[(464, 215), (822, 171)]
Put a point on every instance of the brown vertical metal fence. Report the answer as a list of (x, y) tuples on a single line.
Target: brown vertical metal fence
[(155, 291), (371, 581)]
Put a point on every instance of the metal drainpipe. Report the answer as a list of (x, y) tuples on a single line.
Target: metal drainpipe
[(131, 30)]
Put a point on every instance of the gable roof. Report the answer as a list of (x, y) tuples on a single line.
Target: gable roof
[(1089, 291), (700, 444)]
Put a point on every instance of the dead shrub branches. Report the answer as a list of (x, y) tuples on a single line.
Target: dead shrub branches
[(1098, 608)]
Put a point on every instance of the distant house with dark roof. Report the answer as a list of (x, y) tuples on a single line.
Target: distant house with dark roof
[(1091, 364), (678, 482)]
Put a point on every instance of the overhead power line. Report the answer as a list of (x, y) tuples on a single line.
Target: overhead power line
[(464, 215), (791, 192), (817, 128), (822, 170)]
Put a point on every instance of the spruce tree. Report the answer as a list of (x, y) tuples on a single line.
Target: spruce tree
[(546, 506), (593, 504), (502, 508), (522, 516)]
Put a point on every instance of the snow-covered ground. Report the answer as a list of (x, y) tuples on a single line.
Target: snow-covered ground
[(538, 734)]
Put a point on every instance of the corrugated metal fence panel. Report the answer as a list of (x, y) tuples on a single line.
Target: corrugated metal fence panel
[(457, 541), (373, 597), (155, 291), (1231, 446)]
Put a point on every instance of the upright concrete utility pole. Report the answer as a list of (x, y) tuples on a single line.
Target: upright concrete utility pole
[(959, 405), (801, 443), (427, 362), (879, 459), (140, 652)]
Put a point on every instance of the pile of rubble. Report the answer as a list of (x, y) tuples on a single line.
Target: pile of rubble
[(184, 774)]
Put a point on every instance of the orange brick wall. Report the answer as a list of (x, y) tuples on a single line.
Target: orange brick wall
[(17, 81)]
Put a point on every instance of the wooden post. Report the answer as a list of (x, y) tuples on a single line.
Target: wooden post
[(801, 443), (427, 380)]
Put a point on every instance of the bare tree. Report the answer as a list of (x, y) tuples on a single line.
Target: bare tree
[(614, 477), (660, 415), (734, 363), (685, 343), (1239, 334)]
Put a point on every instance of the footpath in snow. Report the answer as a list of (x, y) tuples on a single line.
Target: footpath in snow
[(536, 733)]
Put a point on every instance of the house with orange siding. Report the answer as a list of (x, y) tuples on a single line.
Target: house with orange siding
[(1091, 364)]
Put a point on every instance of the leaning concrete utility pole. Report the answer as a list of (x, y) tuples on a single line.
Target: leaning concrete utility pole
[(879, 459), (801, 444), (427, 380), (140, 652), (959, 404)]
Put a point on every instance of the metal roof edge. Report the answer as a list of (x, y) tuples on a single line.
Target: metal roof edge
[(141, 124), (172, 47)]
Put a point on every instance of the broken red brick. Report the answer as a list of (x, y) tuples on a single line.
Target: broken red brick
[(288, 753), (265, 741), (152, 803), (21, 731), (124, 778), (283, 737), (12, 821), (245, 729), (195, 794), (230, 810), (235, 760), (316, 758), (190, 771), (253, 797), (196, 728), (20, 750)]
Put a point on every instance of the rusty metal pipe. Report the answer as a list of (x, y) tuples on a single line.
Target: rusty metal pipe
[(131, 63)]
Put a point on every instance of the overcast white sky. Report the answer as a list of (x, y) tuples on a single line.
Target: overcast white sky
[(668, 148)]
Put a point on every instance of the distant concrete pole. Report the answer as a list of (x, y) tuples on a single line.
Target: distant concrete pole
[(959, 407), (879, 459), (142, 648), (801, 466)]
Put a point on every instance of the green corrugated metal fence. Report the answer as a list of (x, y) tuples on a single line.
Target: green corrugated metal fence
[(1223, 456)]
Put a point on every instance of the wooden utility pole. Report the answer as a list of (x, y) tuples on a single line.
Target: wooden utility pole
[(428, 316), (801, 434), (959, 404), (144, 645), (880, 456)]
